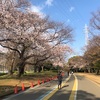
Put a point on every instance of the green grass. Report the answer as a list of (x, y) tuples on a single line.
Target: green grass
[(31, 73), (41, 74)]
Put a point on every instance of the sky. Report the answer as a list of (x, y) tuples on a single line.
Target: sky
[(75, 13)]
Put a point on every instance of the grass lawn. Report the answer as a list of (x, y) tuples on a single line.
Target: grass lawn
[(8, 83)]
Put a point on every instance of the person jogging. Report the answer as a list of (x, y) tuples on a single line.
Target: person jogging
[(59, 76)]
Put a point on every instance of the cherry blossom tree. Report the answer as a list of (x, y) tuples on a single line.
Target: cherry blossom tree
[(95, 23), (32, 38)]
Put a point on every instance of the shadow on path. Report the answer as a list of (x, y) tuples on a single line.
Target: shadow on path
[(82, 95)]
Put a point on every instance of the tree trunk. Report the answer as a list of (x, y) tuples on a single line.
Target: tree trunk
[(21, 69), (11, 70), (35, 68), (98, 71), (39, 69), (42, 68)]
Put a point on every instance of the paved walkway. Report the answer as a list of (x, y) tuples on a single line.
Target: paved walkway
[(93, 77)]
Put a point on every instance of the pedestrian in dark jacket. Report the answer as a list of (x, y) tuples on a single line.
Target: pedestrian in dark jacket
[(59, 76)]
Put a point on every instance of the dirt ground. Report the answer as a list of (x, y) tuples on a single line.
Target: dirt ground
[(95, 78)]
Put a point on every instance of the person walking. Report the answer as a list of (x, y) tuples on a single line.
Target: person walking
[(59, 76)]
